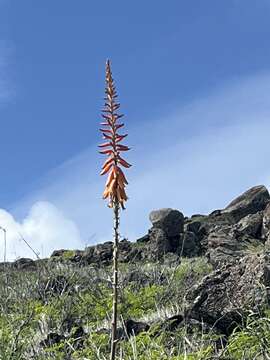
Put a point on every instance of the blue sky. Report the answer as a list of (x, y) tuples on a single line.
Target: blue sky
[(193, 79)]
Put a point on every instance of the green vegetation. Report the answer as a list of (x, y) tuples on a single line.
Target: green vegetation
[(68, 254), (62, 311), (253, 341)]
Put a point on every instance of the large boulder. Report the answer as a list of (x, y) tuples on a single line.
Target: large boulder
[(185, 244), (166, 233), (159, 243), (231, 233), (225, 242), (169, 220), (224, 297), (250, 202)]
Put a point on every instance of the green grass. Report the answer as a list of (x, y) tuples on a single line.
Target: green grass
[(29, 310)]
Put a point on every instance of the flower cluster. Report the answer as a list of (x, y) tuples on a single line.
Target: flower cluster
[(116, 182)]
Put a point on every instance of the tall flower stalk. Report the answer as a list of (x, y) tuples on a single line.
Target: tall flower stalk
[(116, 181)]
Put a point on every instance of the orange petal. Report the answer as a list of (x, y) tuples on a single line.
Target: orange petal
[(106, 169), (109, 160), (110, 177), (121, 174)]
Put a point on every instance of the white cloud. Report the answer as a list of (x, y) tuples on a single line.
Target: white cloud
[(44, 228), (195, 159)]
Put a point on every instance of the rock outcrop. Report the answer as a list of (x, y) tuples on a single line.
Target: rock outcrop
[(224, 298), (169, 220), (223, 235), (231, 233), (250, 202)]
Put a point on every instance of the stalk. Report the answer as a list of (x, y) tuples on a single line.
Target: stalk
[(116, 182), (115, 281)]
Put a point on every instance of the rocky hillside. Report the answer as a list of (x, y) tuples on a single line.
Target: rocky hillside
[(191, 288)]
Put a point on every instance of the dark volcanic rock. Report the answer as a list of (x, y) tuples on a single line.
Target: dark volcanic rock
[(125, 251), (194, 224), (71, 255), (225, 245), (5, 266), (135, 327), (223, 298), (266, 225), (103, 252), (159, 243), (25, 264), (169, 220), (166, 235), (225, 242), (172, 322), (250, 202), (98, 254), (143, 239), (251, 225), (137, 277), (53, 338), (203, 226), (189, 244), (58, 253), (228, 234), (223, 235), (88, 255)]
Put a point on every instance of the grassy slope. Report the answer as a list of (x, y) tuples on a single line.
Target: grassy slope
[(61, 299)]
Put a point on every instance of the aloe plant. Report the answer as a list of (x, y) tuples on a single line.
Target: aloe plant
[(116, 181)]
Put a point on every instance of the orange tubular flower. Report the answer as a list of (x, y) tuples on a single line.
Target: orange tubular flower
[(116, 182)]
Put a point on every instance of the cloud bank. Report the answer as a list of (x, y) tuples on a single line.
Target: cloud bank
[(43, 228), (195, 159)]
